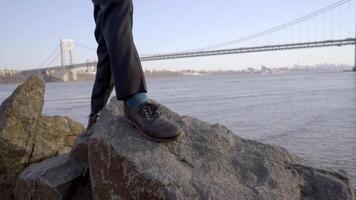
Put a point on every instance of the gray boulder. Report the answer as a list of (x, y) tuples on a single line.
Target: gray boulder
[(56, 178), (26, 136), (207, 162)]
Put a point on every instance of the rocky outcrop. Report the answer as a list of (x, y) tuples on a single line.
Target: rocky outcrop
[(26, 136), (56, 178), (207, 162), (19, 116), (56, 135)]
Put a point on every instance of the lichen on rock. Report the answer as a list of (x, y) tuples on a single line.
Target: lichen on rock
[(26, 136)]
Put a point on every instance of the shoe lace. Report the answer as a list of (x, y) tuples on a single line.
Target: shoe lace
[(149, 111)]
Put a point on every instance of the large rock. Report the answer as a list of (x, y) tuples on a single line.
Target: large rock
[(207, 162), (19, 117), (26, 136), (56, 135), (57, 178)]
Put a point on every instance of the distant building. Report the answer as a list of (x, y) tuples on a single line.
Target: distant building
[(8, 72), (250, 70), (265, 69)]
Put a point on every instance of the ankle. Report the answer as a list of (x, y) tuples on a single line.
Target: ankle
[(136, 100)]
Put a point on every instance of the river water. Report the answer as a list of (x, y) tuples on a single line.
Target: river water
[(310, 114)]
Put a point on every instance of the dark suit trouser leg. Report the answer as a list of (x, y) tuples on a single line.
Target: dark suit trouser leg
[(118, 61)]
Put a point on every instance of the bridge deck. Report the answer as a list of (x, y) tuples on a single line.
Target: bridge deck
[(327, 43)]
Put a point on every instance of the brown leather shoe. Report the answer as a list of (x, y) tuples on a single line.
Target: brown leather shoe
[(153, 125)]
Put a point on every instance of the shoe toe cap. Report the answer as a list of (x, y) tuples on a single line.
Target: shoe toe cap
[(168, 130)]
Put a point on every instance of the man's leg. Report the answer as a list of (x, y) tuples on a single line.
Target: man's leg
[(104, 84), (124, 60), (127, 73)]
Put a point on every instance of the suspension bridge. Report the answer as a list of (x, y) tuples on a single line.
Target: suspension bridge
[(330, 26)]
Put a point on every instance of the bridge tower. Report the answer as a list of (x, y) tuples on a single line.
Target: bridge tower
[(354, 69), (67, 50)]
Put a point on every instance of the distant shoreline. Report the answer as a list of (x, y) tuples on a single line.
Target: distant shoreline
[(19, 77)]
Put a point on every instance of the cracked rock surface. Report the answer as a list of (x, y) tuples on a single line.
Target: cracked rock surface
[(207, 162), (113, 161), (26, 136)]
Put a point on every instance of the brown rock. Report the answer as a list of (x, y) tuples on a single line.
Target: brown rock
[(7, 185), (19, 117), (56, 135), (26, 136)]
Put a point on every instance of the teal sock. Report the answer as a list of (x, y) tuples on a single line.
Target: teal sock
[(136, 100)]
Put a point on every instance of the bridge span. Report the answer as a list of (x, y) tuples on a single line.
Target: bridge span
[(327, 43), (265, 48)]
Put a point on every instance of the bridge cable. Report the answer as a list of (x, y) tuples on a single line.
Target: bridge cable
[(53, 60), (277, 28), (261, 33), (49, 57)]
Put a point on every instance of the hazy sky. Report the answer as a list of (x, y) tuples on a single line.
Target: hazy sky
[(30, 30)]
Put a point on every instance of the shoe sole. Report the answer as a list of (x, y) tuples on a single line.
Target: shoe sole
[(152, 138)]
